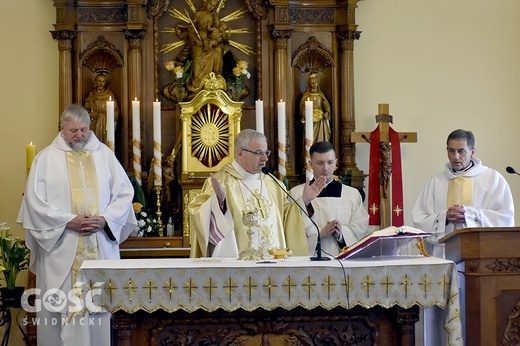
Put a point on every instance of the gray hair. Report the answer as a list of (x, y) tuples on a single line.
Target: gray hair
[(245, 137), (75, 112)]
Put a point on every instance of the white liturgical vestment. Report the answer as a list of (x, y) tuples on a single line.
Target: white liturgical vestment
[(491, 206), (488, 202), (47, 208), (336, 202)]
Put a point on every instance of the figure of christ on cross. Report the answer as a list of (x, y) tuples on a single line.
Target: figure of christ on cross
[(385, 204)]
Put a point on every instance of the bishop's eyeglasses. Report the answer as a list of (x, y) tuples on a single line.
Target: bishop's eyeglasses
[(258, 152)]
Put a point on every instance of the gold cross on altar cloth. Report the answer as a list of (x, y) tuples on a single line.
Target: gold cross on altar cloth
[(385, 192)]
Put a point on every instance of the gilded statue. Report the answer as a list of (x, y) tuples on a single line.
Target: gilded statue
[(321, 109), (207, 38), (95, 103)]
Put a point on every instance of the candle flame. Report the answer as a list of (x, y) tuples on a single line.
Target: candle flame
[(308, 99), (110, 99), (135, 98), (30, 143)]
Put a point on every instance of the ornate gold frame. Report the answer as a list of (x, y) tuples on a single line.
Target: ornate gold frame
[(210, 122)]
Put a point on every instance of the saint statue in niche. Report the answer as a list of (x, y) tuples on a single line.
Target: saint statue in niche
[(321, 109), (96, 104)]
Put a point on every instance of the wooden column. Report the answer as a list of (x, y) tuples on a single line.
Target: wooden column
[(135, 82), (64, 38), (348, 122), (281, 58)]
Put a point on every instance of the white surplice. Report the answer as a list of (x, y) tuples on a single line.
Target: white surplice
[(347, 208)]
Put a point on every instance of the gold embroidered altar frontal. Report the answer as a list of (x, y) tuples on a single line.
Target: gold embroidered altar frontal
[(211, 284)]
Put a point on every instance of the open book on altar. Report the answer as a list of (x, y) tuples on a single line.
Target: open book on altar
[(390, 241)]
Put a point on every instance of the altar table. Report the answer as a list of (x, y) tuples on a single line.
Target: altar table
[(219, 286)]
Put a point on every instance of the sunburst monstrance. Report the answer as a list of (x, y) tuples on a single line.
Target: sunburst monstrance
[(209, 135)]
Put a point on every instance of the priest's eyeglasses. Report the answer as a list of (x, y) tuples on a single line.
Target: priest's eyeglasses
[(258, 152)]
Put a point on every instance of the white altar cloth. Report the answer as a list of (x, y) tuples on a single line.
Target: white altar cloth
[(210, 284)]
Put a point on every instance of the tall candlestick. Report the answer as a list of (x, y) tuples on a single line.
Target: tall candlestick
[(136, 143), (30, 152), (157, 154), (259, 107), (309, 136), (110, 124), (281, 139)]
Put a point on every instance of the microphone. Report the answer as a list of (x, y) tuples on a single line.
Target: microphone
[(318, 256), (511, 170)]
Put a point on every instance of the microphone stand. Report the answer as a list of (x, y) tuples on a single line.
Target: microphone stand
[(318, 256)]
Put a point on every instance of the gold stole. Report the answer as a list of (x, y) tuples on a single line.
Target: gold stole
[(85, 201), (460, 191)]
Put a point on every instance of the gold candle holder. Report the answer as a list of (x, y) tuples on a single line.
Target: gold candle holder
[(158, 189)]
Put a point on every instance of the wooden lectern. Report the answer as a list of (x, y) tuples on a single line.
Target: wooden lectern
[(491, 268)]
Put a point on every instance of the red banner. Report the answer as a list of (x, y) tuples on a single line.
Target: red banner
[(374, 198)]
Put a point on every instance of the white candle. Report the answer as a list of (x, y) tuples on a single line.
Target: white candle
[(281, 139), (259, 107), (110, 124), (309, 136), (157, 168), (136, 144)]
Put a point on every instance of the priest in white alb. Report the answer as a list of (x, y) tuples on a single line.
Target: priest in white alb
[(240, 188), (466, 194), (77, 206)]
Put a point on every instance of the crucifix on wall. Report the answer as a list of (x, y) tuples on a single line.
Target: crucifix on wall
[(385, 181)]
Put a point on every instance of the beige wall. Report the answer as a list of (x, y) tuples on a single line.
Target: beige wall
[(29, 94), (440, 65)]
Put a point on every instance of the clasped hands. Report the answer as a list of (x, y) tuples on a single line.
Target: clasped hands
[(86, 224), (331, 228), (456, 214)]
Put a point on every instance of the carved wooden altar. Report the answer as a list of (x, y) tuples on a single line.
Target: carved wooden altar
[(282, 41)]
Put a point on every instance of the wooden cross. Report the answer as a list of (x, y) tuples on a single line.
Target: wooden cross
[(384, 119)]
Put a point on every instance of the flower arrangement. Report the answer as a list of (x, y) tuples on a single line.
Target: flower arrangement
[(181, 73), (147, 225), (13, 254), (240, 72), (343, 177)]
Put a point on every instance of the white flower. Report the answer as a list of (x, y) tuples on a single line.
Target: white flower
[(179, 74)]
